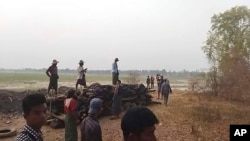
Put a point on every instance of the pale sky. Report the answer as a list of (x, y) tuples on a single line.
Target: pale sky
[(143, 34)]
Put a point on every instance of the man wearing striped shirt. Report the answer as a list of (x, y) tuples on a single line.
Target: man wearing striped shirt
[(90, 127), (34, 109)]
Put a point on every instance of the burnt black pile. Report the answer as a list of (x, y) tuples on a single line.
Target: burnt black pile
[(11, 101), (133, 95)]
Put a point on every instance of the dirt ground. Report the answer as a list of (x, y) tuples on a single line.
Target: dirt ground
[(111, 128), (176, 121)]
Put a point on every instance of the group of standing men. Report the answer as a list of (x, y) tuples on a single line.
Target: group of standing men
[(163, 88), (132, 125), (150, 80), (163, 84), (134, 129), (52, 73)]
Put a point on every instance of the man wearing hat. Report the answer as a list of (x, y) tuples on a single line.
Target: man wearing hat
[(53, 75), (115, 71), (81, 75), (90, 127)]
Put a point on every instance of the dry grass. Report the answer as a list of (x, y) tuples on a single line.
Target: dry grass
[(188, 117), (212, 117)]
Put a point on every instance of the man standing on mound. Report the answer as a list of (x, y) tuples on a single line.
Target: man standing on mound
[(115, 71), (53, 75), (81, 75)]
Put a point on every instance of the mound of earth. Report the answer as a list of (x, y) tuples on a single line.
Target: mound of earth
[(11, 101)]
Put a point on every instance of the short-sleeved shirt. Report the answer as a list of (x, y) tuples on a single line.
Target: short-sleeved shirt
[(52, 70), (29, 134), (80, 72), (69, 105)]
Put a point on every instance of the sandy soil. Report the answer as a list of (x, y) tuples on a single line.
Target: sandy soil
[(177, 121), (170, 127)]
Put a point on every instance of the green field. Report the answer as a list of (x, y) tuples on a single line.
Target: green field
[(34, 80), (8, 77)]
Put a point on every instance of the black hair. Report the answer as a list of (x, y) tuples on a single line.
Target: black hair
[(32, 100), (119, 81), (136, 120), (71, 93)]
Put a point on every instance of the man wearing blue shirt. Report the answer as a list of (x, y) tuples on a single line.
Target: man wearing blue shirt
[(115, 71)]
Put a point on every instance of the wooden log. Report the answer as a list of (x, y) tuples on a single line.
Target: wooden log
[(61, 116), (59, 97), (130, 98)]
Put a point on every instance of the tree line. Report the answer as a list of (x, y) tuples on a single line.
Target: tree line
[(183, 73)]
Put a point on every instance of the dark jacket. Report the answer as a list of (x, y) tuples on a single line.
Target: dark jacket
[(165, 88)]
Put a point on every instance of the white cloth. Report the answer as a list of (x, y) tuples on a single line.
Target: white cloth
[(67, 102), (80, 72)]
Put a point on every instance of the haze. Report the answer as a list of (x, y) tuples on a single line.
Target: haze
[(143, 34)]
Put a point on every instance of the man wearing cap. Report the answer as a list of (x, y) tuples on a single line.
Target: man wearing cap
[(90, 127), (53, 75), (81, 75), (115, 71)]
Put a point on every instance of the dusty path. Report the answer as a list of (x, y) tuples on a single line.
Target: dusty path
[(176, 121), (172, 125)]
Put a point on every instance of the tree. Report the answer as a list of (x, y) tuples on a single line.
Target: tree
[(228, 49)]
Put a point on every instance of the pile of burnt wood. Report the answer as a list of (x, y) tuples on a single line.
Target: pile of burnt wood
[(132, 95)]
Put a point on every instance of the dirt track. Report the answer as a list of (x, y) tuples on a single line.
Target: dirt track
[(176, 121), (168, 129)]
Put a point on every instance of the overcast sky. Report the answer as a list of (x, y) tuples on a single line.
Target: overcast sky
[(143, 34)]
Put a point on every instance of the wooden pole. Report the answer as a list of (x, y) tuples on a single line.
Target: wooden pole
[(50, 103)]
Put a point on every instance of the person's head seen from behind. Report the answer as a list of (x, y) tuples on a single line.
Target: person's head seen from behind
[(138, 124)]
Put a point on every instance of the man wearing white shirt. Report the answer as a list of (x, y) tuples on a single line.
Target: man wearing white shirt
[(81, 75), (115, 71)]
